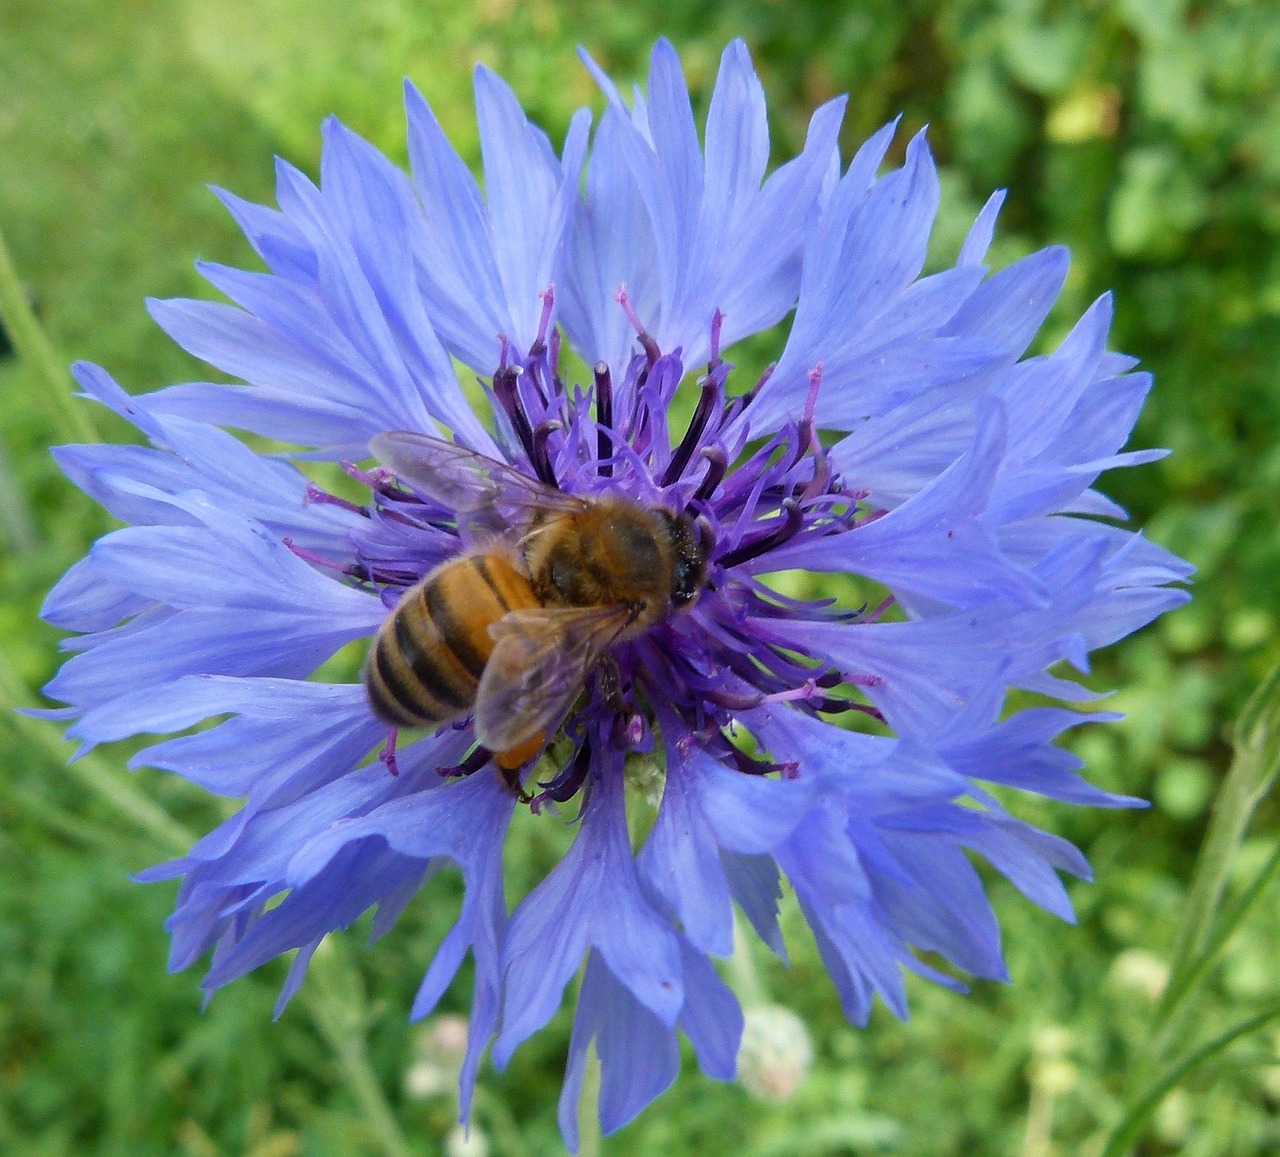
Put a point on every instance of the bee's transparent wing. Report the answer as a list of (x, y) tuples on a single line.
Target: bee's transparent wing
[(540, 661), (462, 480)]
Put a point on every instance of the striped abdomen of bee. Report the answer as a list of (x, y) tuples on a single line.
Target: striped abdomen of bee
[(432, 649)]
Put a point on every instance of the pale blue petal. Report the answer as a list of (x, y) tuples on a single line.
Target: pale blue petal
[(592, 897)]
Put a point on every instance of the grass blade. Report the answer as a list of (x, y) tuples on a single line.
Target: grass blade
[(1205, 929), (38, 354), (1135, 1119), (1252, 774)]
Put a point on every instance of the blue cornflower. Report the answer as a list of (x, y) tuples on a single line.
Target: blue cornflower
[(902, 435)]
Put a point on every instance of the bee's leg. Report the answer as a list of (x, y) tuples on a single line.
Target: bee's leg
[(509, 764), (628, 728), (388, 754), (509, 777), (610, 685)]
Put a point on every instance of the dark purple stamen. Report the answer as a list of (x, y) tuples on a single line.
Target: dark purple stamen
[(565, 785), (541, 456), (544, 322), (651, 351), (469, 766), (772, 604), (533, 376), (604, 417), (392, 581), (750, 766), (790, 526), (505, 390), (773, 677), (831, 706), (821, 481), (808, 441), (717, 466), (641, 425), (388, 754), (693, 435)]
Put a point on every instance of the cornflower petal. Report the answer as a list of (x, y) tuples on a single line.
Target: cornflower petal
[(591, 898), (483, 267), (711, 238), (466, 823), (707, 810), (903, 436), (639, 1055), (876, 331), (935, 544), (197, 457), (611, 243)]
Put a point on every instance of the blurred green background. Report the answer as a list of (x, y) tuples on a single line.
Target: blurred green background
[(1143, 133)]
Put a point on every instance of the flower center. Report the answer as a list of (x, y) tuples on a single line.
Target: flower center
[(701, 662)]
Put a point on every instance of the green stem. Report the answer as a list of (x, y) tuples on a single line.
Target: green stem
[(1205, 930), (93, 774), (336, 1002), (1174, 1002), (1253, 771), (1134, 1121), (15, 512), (38, 354)]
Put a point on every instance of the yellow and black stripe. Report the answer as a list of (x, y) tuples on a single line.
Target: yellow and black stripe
[(431, 651)]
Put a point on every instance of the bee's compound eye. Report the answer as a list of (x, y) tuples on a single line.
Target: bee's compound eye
[(685, 593), (691, 564)]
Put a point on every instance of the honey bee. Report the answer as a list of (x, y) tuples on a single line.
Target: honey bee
[(511, 629)]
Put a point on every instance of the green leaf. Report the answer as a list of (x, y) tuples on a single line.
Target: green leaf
[(1046, 57), (1204, 930), (1130, 1128), (1156, 204), (1252, 774)]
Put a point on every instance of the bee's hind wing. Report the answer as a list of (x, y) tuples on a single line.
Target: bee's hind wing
[(540, 663), (463, 480)]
